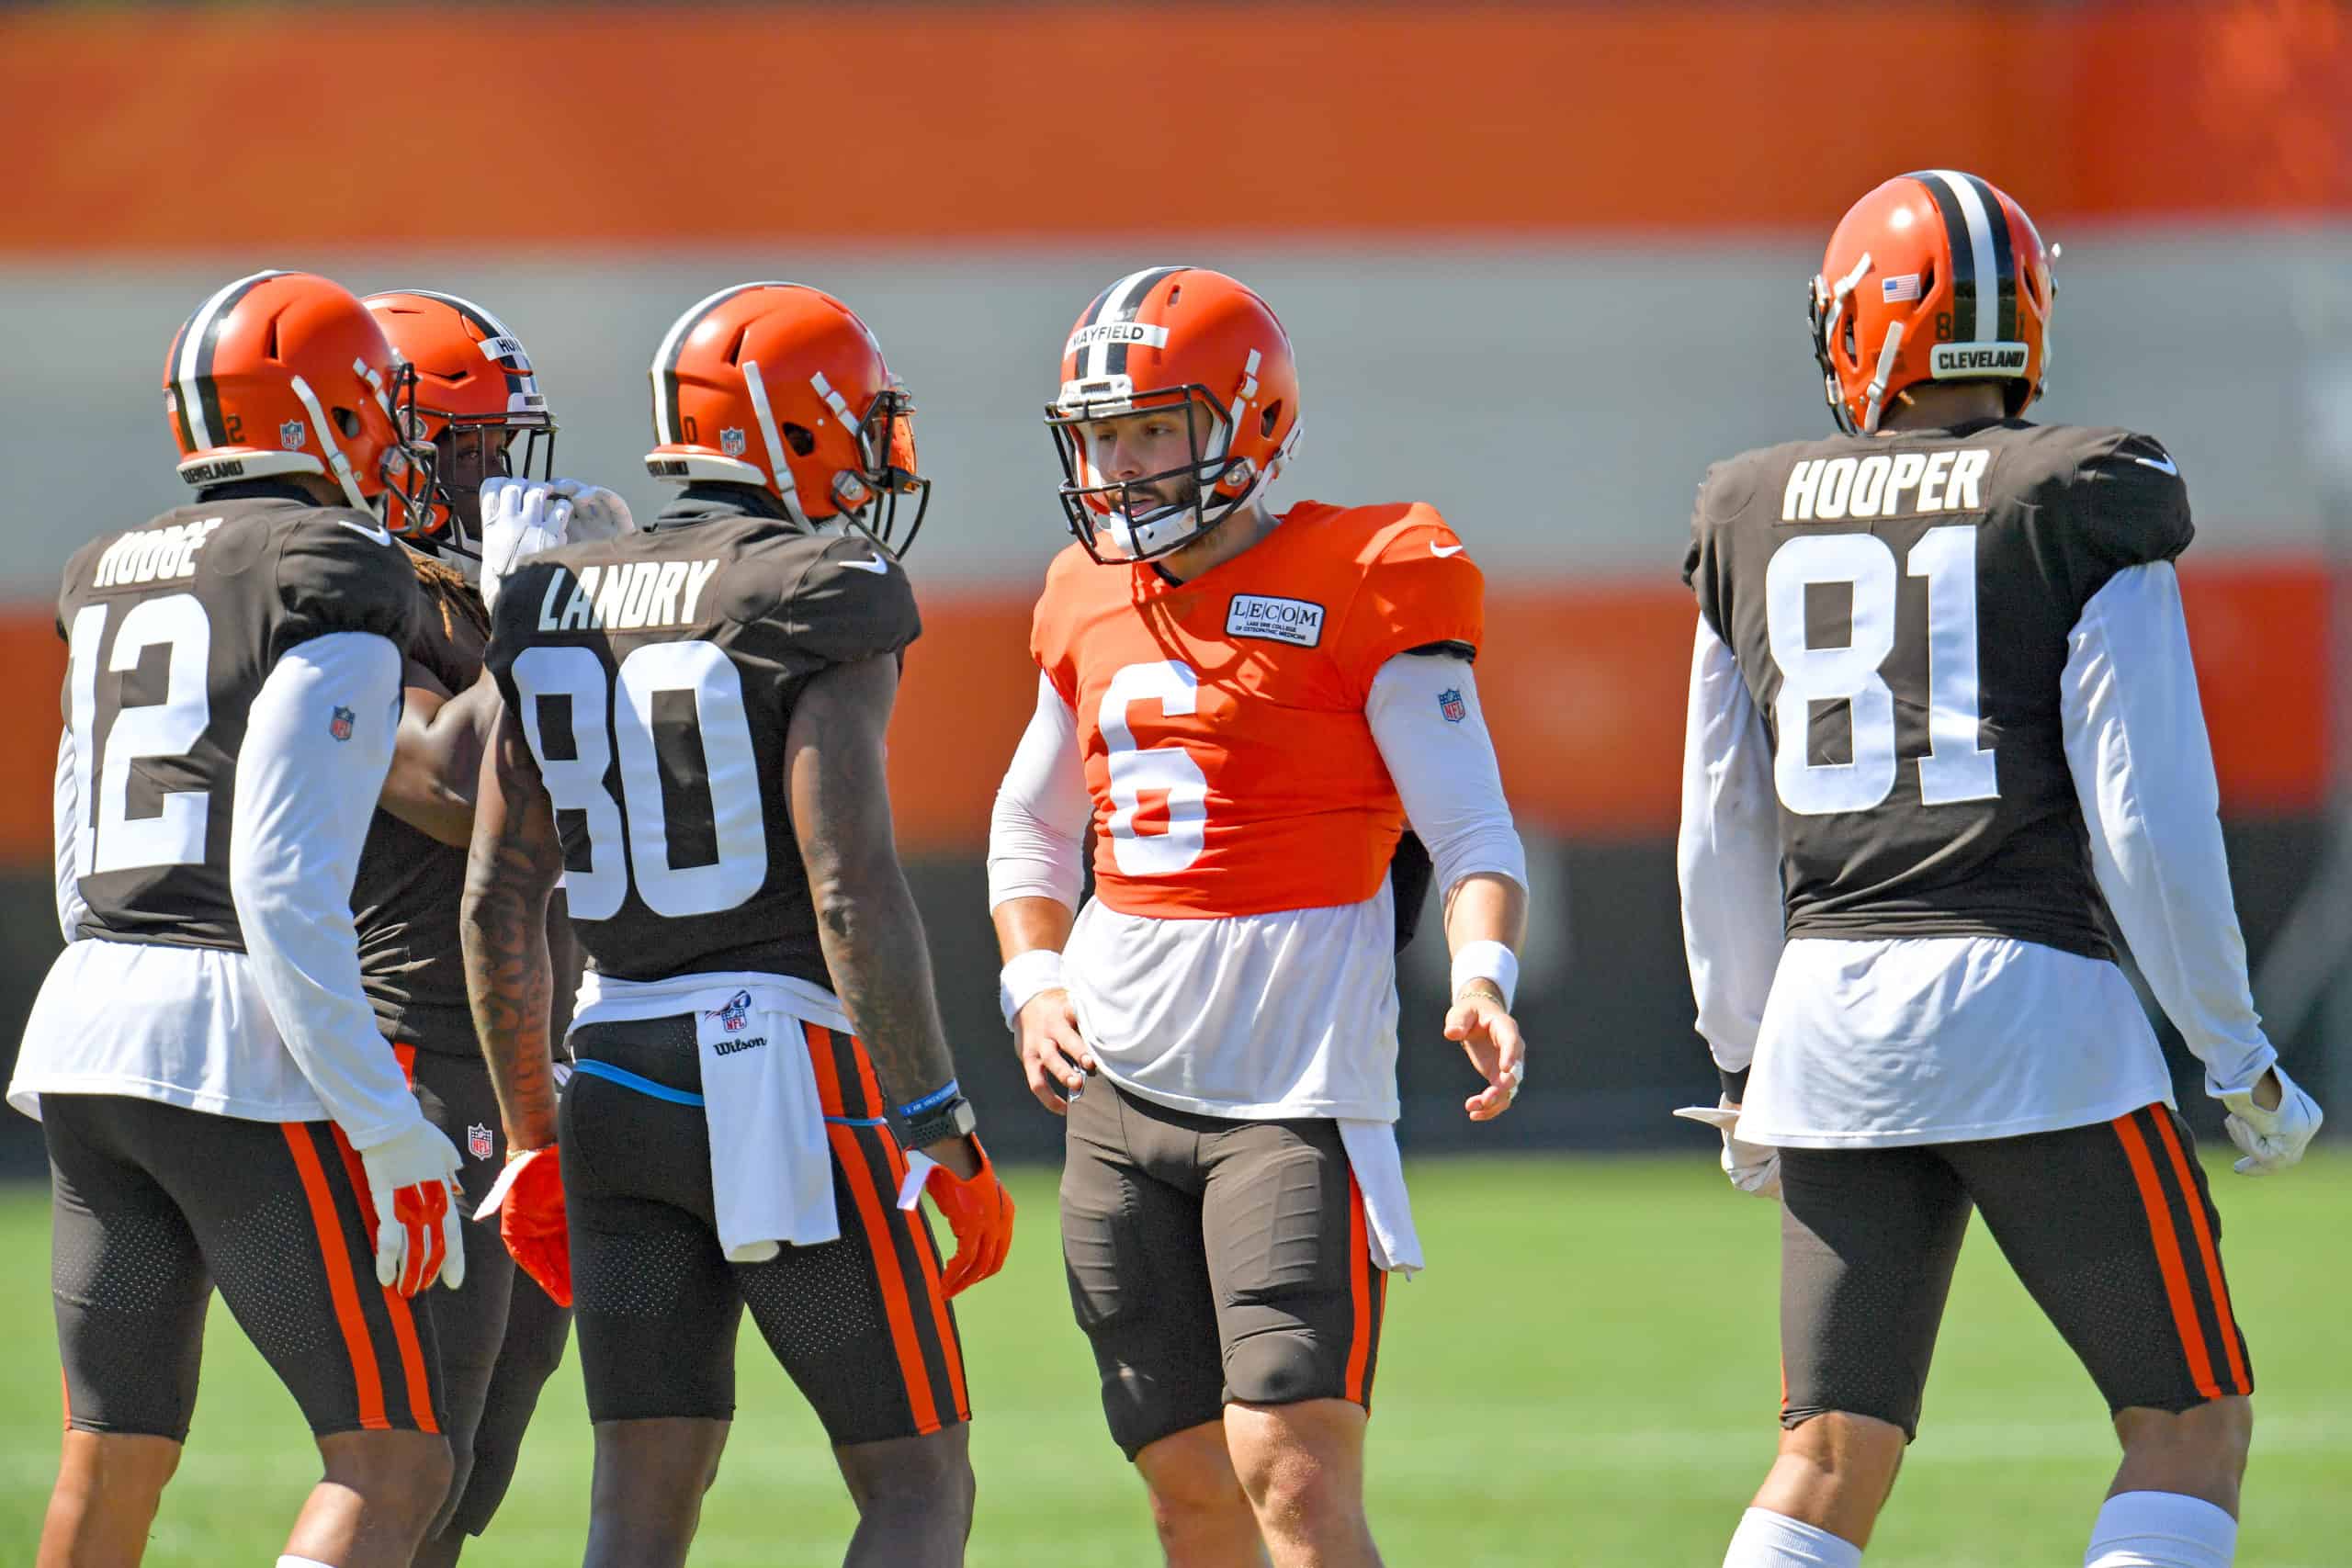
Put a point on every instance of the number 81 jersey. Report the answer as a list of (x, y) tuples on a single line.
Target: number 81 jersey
[(654, 677), (1900, 609), (1220, 720)]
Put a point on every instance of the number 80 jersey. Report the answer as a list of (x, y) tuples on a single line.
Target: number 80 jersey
[(1899, 608), (1220, 720), (654, 677)]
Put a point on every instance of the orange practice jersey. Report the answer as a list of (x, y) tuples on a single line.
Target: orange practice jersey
[(1222, 719)]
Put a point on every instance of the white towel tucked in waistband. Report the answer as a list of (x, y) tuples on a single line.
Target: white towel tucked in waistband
[(1388, 1212), (770, 1164)]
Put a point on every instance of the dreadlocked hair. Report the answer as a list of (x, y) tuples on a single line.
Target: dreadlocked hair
[(449, 589)]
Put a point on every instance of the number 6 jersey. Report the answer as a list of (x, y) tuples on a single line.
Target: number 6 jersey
[(654, 677)]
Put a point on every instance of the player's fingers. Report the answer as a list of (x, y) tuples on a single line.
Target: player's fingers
[(389, 1235), (1063, 1048), (1510, 1049), (1043, 1083), (453, 1249), (1460, 1020)]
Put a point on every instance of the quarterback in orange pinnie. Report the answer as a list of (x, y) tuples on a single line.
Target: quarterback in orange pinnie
[(1248, 705)]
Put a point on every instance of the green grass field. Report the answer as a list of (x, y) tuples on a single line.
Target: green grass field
[(1585, 1374)]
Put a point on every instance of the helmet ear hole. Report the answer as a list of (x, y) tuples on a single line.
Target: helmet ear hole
[(800, 439), (1846, 339), (1271, 418), (348, 423)]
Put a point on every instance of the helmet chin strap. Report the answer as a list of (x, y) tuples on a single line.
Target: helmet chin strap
[(1886, 357)]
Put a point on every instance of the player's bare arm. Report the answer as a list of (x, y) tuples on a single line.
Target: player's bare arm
[(1054, 1054), (866, 922), (436, 759), (1485, 908), (513, 867)]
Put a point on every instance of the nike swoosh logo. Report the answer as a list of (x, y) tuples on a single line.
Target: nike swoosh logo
[(1443, 551), (2165, 466), (376, 534), (877, 566)]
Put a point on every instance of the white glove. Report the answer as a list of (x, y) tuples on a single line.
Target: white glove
[(1753, 1168), (2272, 1140), (519, 519), (412, 1180), (597, 513)]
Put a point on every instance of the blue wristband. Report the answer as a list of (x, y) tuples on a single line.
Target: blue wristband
[(930, 1101)]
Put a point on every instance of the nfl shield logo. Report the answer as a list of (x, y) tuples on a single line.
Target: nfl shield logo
[(478, 1142), (340, 725), (1450, 703), (731, 441), (731, 1016), (291, 435)]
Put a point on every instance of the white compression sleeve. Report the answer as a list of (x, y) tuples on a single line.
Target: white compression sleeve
[(1727, 855), (1443, 768), (1036, 828), (302, 805), (2144, 772), (66, 819)]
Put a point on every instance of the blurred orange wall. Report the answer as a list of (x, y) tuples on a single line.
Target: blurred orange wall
[(138, 130)]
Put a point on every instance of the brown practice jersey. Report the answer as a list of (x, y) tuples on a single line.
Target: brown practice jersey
[(654, 676), (171, 628), (405, 900), (1899, 608)]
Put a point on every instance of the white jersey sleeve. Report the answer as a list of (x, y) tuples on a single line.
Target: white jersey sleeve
[(2143, 771), (302, 805), (1036, 828), (1444, 769), (1727, 856), (66, 809)]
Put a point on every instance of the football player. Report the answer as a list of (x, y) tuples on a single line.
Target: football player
[(477, 401), (691, 729), (1249, 704), (218, 1108), (1941, 710)]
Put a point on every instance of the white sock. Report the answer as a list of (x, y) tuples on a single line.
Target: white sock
[(1767, 1539), (2161, 1530)]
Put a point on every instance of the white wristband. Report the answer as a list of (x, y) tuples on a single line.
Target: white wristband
[(1026, 974), (1486, 961)]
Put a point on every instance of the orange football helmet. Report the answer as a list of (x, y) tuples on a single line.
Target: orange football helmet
[(1171, 336), (1936, 275), (475, 393), (781, 386), (286, 373)]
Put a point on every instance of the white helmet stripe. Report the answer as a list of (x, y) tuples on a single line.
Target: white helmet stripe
[(1098, 352), (199, 327), (1985, 327)]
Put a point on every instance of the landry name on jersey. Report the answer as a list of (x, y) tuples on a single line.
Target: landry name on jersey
[(1899, 608), (654, 676), (405, 896), (170, 629), (1221, 719)]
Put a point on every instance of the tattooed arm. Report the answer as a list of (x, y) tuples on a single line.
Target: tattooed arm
[(866, 918), (503, 922)]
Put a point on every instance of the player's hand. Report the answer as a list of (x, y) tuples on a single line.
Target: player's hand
[(1054, 1054), (1753, 1168), (596, 513), (1489, 1036), (2273, 1139), (527, 1198), (519, 519), (413, 1204), (977, 1209)]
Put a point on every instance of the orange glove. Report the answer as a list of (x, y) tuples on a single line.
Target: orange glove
[(527, 1198), (981, 1214)]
